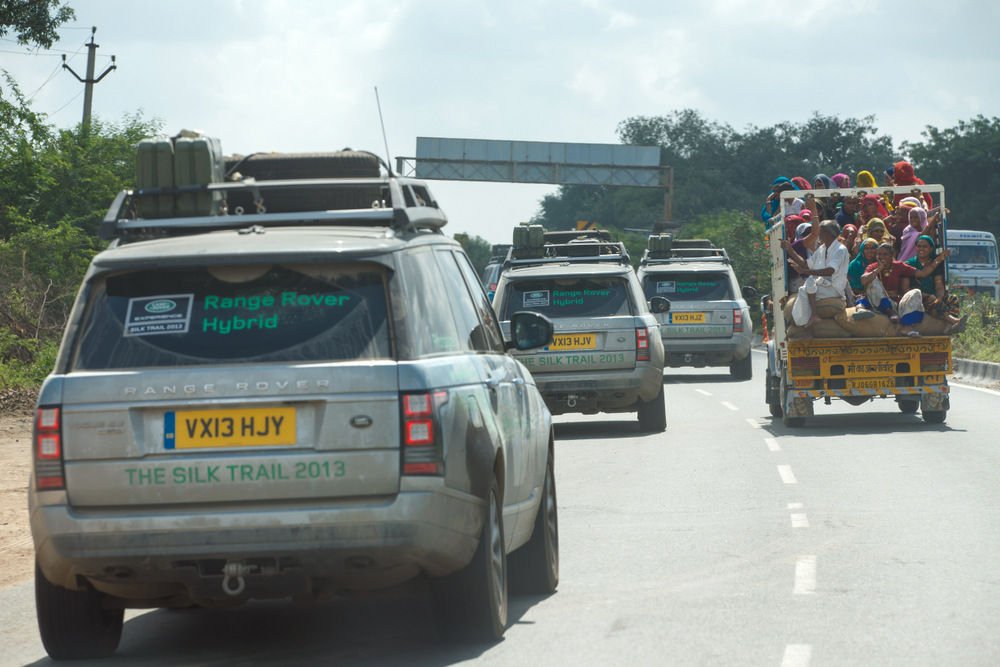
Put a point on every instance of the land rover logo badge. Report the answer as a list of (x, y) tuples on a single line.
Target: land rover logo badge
[(361, 421), (160, 306)]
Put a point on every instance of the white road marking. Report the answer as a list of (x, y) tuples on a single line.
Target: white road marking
[(703, 392), (772, 444), (795, 506), (753, 422), (787, 476), (799, 520), (974, 388), (729, 405), (805, 575), (797, 655)]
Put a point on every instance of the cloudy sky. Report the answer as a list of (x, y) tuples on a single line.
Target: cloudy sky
[(298, 75)]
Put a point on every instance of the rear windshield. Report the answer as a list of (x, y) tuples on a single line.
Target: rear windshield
[(569, 297), (217, 315), (688, 286)]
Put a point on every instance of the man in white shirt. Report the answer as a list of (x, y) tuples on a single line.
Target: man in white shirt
[(825, 270)]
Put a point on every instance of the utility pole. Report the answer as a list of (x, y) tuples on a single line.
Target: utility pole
[(88, 93)]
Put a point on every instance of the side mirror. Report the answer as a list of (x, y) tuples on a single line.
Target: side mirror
[(659, 305), (749, 292), (529, 330)]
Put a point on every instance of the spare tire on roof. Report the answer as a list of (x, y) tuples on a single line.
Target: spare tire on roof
[(289, 166), (298, 166)]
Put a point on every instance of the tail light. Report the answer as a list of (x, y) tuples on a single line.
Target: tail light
[(641, 344), (737, 319), (805, 366), (422, 452), (933, 361), (48, 449)]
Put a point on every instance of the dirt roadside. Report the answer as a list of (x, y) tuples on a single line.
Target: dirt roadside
[(16, 549)]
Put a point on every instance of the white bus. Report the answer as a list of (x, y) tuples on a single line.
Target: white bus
[(973, 262)]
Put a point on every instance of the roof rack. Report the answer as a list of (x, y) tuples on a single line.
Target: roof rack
[(498, 251), (566, 236), (664, 249), (398, 203), (575, 252)]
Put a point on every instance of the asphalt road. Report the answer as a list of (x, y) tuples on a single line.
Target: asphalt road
[(866, 538)]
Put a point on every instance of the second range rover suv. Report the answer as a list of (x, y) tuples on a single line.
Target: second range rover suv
[(606, 354)]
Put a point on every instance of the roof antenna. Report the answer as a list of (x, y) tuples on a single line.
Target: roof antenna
[(388, 155)]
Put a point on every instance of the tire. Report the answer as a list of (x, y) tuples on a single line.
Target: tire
[(534, 568), (794, 422), (653, 414), (471, 604), (775, 410), (742, 369), (908, 407), (74, 625), (935, 417), (285, 166)]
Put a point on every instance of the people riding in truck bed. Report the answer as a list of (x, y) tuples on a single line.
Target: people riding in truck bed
[(891, 243)]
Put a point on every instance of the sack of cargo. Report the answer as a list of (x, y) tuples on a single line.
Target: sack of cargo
[(876, 325), (795, 332), (828, 309), (198, 161), (304, 166), (829, 329), (931, 326), (154, 168)]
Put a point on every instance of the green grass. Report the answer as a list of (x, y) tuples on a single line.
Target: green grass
[(981, 338), (27, 368)]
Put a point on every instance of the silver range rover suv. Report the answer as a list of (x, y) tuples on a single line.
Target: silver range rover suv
[(606, 355), (709, 321), (288, 404)]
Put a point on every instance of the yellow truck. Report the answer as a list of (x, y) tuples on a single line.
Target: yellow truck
[(801, 371)]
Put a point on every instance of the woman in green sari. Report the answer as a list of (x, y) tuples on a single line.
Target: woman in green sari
[(937, 301)]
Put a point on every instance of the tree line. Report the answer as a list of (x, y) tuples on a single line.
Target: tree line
[(718, 168)]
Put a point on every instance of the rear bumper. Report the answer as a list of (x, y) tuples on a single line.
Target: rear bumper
[(360, 544), (604, 391), (706, 351)]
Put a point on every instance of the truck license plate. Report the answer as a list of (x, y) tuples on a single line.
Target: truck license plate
[(237, 427), (881, 383)]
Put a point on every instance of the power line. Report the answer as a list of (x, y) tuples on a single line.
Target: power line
[(46, 82), (53, 74), (22, 53), (14, 41), (66, 105)]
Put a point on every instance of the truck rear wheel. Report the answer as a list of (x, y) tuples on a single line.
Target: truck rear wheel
[(908, 407), (75, 625), (935, 417)]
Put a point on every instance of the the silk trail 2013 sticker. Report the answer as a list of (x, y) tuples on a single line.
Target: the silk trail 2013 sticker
[(155, 315)]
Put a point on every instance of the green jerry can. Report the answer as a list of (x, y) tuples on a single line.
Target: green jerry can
[(198, 161), (154, 168)]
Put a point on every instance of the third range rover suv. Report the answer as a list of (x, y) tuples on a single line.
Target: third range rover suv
[(709, 320), (606, 355)]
